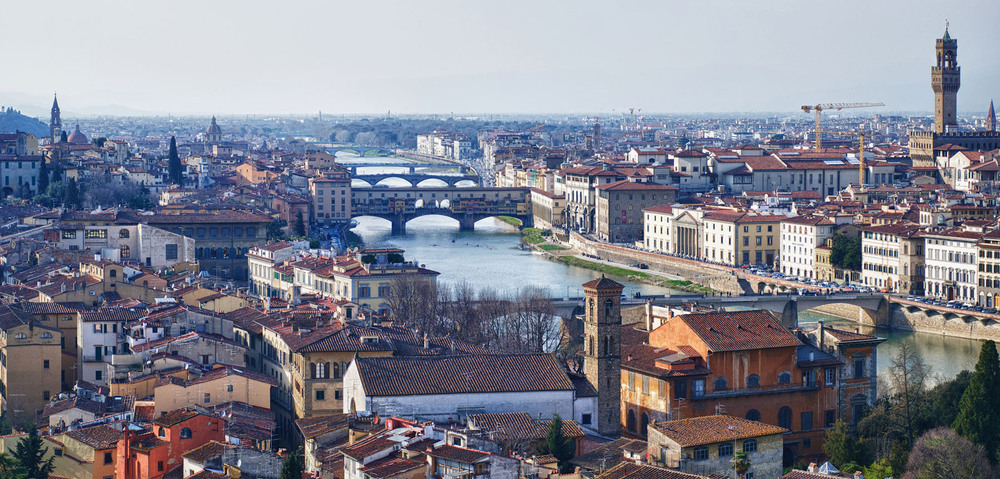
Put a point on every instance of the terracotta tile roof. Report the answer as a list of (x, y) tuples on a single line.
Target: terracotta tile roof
[(626, 185), (701, 430), (113, 314), (390, 467), (44, 308), (11, 317), (794, 474), (404, 376), (175, 417), (458, 454), (98, 437), (609, 454), (519, 425), (311, 427), (78, 402), (207, 451), (668, 209), (368, 446), (739, 330), (206, 474), (603, 283), (846, 336), (631, 470), (222, 216)]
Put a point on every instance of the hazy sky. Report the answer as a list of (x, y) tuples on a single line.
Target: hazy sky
[(370, 56)]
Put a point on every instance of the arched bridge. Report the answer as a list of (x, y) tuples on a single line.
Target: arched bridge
[(417, 178), (359, 150), (872, 309), (467, 205)]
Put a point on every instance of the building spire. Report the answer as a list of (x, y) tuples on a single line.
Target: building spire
[(946, 25), (991, 119)]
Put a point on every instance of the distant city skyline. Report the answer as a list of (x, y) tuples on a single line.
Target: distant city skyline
[(441, 57)]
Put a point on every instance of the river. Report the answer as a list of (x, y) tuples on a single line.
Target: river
[(490, 257)]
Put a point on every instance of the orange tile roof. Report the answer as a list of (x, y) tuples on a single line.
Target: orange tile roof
[(697, 431), (739, 330)]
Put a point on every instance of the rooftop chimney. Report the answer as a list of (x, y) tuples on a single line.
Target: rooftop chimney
[(649, 315), (821, 339)]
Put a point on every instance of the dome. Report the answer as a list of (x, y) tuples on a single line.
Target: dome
[(213, 129), (77, 137)]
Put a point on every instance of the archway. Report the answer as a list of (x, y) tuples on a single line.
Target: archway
[(644, 424), (432, 183), (359, 183), (394, 182), (465, 184), (630, 421)]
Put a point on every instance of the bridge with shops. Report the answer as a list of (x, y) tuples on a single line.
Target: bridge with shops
[(465, 204)]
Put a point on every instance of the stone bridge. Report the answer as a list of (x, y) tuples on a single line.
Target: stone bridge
[(870, 309), (359, 150), (467, 205), (412, 176)]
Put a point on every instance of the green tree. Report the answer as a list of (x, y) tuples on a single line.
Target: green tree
[(293, 466), (979, 410), (395, 258), (274, 230), (43, 176), (846, 252), (56, 176), (175, 169), (72, 197), (300, 224), (63, 137), (557, 444), (841, 446), (879, 470), (741, 463), (30, 456)]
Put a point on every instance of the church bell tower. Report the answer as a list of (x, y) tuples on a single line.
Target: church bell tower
[(945, 80), (55, 122), (602, 351)]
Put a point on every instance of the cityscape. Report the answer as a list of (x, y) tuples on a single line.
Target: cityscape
[(495, 290)]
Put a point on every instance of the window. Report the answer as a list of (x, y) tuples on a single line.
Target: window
[(208, 398), (46, 395), (662, 388), (585, 419), (753, 415), (186, 433), (108, 458), (785, 377), (680, 389), (98, 375), (700, 453), (229, 388), (159, 466), (96, 234), (830, 376), (123, 233), (45, 364), (785, 417), (645, 385), (753, 381), (830, 418), (807, 420), (750, 445), (46, 336), (320, 394), (726, 449), (699, 388), (720, 384), (171, 251), (859, 366), (162, 432), (69, 234), (57, 452)]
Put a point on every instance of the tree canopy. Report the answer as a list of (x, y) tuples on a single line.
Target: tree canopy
[(29, 456), (846, 252), (978, 417), (175, 168), (557, 444)]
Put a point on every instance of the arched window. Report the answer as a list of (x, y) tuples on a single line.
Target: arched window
[(46, 335), (644, 424), (124, 251), (753, 415), (185, 433), (123, 233), (21, 336), (162, 432), (753, 380), (726, 449), (700, 453), (592, 346), (785, 377), (785, 417), (225, 252), (721, 384), (630, 420), (608, 306)]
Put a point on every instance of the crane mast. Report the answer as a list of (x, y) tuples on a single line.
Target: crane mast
[(861, 150), (831, 106)]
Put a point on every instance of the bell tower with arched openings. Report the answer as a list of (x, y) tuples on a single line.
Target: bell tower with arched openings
[(946, 78), (602, 326)]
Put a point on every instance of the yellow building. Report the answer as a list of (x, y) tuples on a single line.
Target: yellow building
[(54, 315), (741, 238), (29, 358), (218, 386)]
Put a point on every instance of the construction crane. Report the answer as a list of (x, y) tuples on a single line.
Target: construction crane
[(832, 106), (861, 151)]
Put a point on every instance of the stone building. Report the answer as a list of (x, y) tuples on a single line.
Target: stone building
[(30, 354), (800, 238), (741, 238), (892, 257), (331, 198), (951, 271), (620, 205), (705, 445), (602, 350), (989, 270), (222, 238)]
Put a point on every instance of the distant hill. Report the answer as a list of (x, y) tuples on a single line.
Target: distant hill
[(12, 121)]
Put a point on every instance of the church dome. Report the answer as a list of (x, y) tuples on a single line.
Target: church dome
[(213, 129), (77, 137)]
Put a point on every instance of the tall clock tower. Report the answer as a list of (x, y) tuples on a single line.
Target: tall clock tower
[(945, 81), (602, 351)]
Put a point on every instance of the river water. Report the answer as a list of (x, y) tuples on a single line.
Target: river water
[(490, 257)]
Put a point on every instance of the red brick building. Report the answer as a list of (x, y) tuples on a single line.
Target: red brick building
[(744, 363), (153, 453)]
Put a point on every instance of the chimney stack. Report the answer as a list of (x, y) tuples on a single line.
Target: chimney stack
[(821, 335), (649, 315)]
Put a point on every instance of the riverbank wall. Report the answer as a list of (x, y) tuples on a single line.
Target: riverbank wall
[(717, 278)]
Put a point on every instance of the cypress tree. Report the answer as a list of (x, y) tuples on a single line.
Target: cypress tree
[(293, 466), (72, 196), (979, 411), (29, 454), (56, 175), (557, 444), (300, 224), (43, 176), (176, 170)]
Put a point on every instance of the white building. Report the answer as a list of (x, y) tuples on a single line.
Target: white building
[(892, 257), (99, 336), (448, 388), (951, 265), (800, 236), (656, 224)]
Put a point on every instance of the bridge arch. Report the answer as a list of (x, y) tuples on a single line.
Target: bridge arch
[(466, 184), (432, 183), (359, 183), (390, 180)]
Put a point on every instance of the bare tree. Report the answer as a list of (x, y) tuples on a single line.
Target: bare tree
[(941, 453), (908, 377)]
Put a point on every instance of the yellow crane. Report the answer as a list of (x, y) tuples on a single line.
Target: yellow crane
[(861, 150), (832, 106)]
